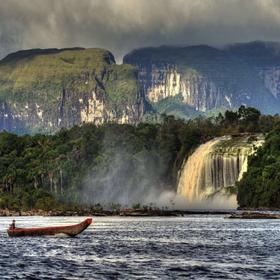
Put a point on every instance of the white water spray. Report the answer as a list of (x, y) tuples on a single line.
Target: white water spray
[(213, 166)]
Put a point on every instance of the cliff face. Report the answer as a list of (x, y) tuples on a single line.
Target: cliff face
[(206, 78), (271, 79), (45, 90), (264, 57), (163, 80)]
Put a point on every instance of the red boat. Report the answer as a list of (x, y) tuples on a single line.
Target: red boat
[(71, 231)]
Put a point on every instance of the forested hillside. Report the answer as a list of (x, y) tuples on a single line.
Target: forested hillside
[(260, 186), (89, 165)]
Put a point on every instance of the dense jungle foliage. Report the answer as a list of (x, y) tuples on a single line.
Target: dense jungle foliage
[(51, 171), (260, 186)]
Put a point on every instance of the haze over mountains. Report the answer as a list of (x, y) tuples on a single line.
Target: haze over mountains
[(208, 78), (45, 90)]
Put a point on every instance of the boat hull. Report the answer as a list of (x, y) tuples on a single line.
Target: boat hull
[(71, 231)]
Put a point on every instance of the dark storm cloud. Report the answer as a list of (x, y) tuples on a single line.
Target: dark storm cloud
[(121, 25)]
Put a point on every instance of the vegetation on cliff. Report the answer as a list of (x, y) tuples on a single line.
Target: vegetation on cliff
[(44, 90), (174, 106), (28, 71), (260, 186), (49, 89)]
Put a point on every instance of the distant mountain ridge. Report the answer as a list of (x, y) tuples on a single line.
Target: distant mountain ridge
[(209, 78), (44, 90), (22, 54)]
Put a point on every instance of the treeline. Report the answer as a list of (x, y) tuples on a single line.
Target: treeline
[(260, 186), (72, 166)]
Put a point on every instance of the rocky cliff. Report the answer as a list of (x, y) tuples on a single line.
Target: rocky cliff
[(208, 78), (45, 90), (264, 58)]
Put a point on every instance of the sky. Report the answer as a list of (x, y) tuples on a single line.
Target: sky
[(123, 25)]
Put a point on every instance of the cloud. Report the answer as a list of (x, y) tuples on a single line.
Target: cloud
[(121, 25)]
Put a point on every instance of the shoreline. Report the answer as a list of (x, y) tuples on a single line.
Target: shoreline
[(121, 213), (129, 212)]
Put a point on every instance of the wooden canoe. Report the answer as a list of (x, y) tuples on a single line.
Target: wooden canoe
[(71, 231)]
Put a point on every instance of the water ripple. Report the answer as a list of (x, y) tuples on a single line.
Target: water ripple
[(192, 247)]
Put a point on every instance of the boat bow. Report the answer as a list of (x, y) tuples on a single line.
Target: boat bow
[(71, 230)]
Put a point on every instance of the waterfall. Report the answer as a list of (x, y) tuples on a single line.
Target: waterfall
[(215, 165)]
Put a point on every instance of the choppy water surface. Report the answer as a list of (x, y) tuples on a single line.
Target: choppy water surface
[(192, 247)]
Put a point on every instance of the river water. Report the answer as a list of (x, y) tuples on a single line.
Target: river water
[(191, 247)]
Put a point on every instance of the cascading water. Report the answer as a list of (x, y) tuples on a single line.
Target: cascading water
[(215, 165)]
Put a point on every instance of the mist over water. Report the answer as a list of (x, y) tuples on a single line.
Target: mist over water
[(118, 182), (120, 179), (124, 177)]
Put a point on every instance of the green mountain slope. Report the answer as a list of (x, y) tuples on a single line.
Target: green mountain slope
[(49, 89)]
